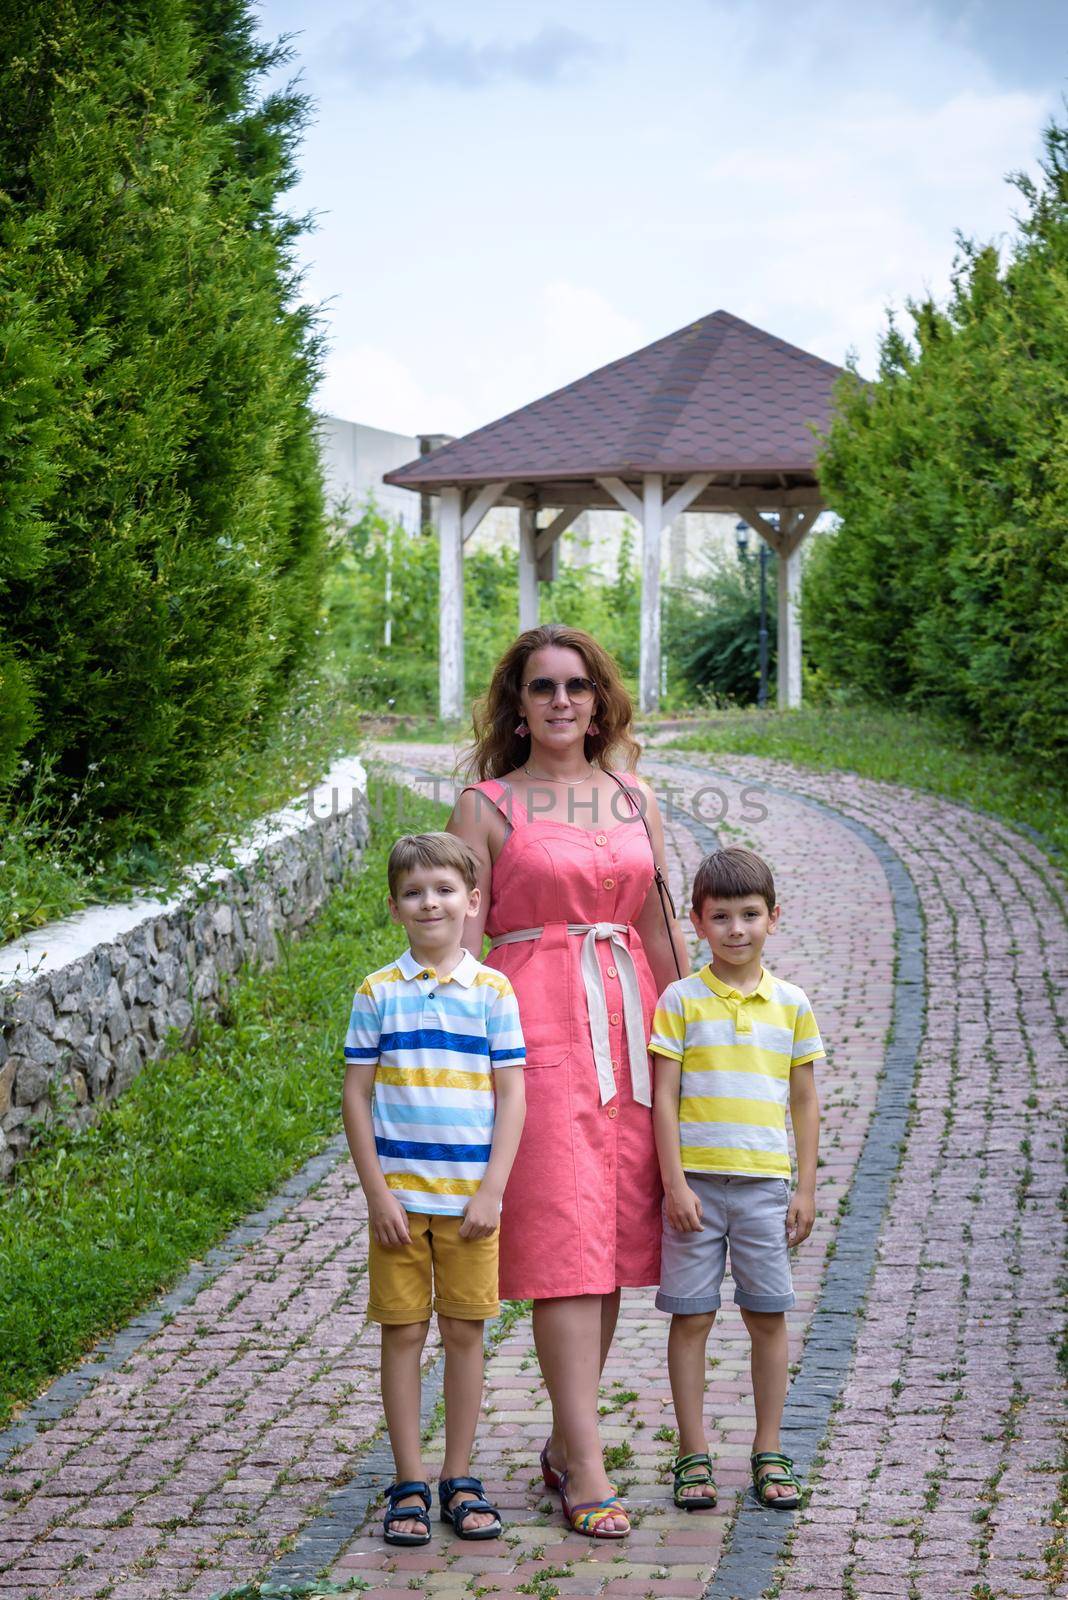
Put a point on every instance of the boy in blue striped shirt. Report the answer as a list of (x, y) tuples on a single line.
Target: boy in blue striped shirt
[(433, 1109)]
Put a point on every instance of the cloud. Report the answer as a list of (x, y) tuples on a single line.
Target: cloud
[(364, 383), (569, 330), (858, 211), (390, 44)]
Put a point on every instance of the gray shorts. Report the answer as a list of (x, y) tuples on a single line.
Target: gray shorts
[(749, 1215)]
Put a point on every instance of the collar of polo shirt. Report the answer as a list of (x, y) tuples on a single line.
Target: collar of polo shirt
[(724, 990), (464, 971)]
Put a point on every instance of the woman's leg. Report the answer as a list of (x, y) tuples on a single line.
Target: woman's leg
[(609, 1318), (568, 1339)]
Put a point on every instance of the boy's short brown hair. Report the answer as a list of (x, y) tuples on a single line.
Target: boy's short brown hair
[(731, 875), (414, 850)]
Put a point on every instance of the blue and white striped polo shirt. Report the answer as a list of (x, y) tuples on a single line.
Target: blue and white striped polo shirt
[(435, 1044)]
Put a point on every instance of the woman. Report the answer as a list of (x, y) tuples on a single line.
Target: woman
[(570, 903)]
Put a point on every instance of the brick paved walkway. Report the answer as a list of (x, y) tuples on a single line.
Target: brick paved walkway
[(942, 1462), (201, 1460)]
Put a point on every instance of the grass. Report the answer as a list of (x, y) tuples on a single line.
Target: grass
[(97, 1223), (922, 752)]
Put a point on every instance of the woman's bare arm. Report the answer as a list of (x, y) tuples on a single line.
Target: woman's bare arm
[(472, 821), (650, 920)]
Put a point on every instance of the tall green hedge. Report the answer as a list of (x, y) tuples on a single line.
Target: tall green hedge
[(947, 582), (161, 521)]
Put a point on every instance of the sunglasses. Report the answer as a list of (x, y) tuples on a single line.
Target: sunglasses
[(578, 690)]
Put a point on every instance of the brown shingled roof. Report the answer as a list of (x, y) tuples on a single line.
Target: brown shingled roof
[(717, 396)]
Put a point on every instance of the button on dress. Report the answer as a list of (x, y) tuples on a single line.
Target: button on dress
[(581, 1211)]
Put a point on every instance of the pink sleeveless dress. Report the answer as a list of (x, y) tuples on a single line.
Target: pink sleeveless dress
[(582, 1208)]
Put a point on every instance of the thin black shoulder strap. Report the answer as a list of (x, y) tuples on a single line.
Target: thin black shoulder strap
[(658, 877)]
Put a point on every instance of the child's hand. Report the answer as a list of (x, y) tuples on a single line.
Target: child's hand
[(683, 1210), (482, 1215), (800, 1216), (389, 1220)]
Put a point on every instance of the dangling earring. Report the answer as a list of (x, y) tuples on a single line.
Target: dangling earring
[(592, 731), (521, 730)]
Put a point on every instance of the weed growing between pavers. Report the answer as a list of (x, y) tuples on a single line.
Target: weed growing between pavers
[(97, 1223)]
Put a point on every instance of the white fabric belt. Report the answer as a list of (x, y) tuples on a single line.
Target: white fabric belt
[(592, 978)]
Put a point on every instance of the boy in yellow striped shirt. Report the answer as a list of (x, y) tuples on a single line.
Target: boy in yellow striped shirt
[(732, 1044)]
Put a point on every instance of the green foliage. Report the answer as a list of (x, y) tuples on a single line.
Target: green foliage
[(98, 1222), (161, 527), (919, 749), (378, 571), (712, 631), (946, 584)]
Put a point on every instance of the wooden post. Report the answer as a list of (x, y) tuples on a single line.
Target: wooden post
[(451, 605), (528, 568), (789, 637), (649, 662)]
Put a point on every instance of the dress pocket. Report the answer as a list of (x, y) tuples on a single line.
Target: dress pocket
[(540, 972)]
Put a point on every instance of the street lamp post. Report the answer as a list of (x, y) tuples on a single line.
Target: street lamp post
[(762, 692)]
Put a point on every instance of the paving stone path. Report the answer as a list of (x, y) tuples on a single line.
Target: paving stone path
[(241, 1436)]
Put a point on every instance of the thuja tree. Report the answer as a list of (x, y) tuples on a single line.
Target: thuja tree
[(161, 528), (947, 583)]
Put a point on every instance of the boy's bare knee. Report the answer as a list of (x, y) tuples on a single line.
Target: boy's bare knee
[(763, 1324), (404, 1335), (692, 1324), (459, 1333)]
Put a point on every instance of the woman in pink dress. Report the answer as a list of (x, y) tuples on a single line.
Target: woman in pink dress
[(574, 915)]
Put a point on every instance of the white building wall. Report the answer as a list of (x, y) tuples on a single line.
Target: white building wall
[(354, 458)]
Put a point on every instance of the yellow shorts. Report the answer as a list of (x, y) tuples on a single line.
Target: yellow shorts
[(463, 1272)]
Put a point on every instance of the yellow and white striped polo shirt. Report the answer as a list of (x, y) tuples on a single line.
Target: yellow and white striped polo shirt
[(737, 1052)]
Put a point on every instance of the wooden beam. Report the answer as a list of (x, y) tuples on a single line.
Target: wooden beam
[(684, 497), (801, 525), (652, 514), (451, 605), (624, 497), (486, 498), (548, 536), (759, 523), (528, 568)]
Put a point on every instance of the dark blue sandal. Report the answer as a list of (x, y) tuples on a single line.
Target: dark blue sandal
[(450, 1486), (395, 1513)]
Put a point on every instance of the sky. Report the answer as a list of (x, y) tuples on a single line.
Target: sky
[(509, 196)]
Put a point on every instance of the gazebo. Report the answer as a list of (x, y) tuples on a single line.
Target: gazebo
[(715, 417)]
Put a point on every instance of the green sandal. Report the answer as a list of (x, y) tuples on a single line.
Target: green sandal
[(771, 1468), (694, 1470)]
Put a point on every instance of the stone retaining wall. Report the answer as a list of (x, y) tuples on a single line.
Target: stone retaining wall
[(84, 1003)]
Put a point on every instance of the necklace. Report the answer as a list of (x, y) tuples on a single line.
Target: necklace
[(572, 783)]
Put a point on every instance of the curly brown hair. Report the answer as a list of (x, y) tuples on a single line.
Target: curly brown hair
[(498, 749)]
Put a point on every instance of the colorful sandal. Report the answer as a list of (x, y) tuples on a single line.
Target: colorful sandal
[(549, 1475), (772, 1468), (456, 1515), (395, 1513), (690, 1472), (587, 1518)]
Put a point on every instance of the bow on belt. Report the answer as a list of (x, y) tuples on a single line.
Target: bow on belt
[(616, 933)]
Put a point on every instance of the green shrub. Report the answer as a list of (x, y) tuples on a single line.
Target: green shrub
[(946, 584), (712, 631), (158, 439)]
